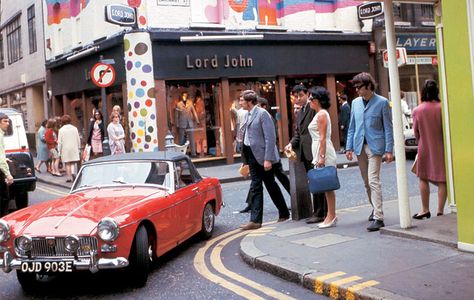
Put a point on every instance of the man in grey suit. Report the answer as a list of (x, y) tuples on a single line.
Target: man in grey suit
[(301, 143), (260, 153)]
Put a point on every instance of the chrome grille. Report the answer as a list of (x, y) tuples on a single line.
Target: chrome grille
[(55, 247)]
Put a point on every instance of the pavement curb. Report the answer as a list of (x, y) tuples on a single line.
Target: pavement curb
[(309, 278)]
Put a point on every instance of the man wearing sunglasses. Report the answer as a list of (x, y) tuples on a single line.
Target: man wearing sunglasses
[(370, 137)]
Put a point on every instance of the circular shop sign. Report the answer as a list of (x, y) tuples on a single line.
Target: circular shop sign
[(103, 75)]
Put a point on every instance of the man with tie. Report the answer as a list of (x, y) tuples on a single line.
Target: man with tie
[(301, 143), (259, 151), (370, 137)]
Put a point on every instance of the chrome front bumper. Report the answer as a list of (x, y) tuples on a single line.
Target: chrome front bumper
[(8, 263)]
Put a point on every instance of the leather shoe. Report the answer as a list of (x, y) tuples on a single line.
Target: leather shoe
[(371, 216), (283, 219), (251, 226), (330, 224), (376, 225), (314, 219), (422, 216), (245, 210)]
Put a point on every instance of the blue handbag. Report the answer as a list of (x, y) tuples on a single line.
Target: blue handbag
[(323, 179)]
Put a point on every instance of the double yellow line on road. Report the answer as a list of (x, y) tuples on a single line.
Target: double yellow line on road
[(216, 261)]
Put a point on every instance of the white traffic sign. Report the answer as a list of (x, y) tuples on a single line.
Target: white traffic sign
[(120, 14), (401, 57), (103, 75), (370, 10)]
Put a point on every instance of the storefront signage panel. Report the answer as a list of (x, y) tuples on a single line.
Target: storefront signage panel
[(230, 60), (417, 42)]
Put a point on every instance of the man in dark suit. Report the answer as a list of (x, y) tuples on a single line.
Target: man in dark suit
[(260, 153), (344, 118), (301, 143)]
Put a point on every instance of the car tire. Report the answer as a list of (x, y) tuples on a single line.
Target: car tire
[(21, 200), (27, 281), (140, 260), (208, 219)]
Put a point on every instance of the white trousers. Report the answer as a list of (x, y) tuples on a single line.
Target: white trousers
[(369, 166)]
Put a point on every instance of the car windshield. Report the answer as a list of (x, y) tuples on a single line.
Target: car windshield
[(123, 173)]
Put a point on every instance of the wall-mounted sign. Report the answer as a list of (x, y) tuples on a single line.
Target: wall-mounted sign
[(103, 75), (370, 10), (119, 14), (173, 2), (401, 57), (417, 41), (422, 60)]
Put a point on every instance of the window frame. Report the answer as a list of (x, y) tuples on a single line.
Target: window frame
[(31, 17), (13, 31)]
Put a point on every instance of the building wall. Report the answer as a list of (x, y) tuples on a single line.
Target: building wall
[(71, 26), (461, 112)]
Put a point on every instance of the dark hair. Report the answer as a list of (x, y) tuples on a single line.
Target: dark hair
[(263, 102), (430, 91), (66, 119), (9, 130), (44, 123), (322, 95), (365, 79), (249, 96), (51, 123), (343, 97), (299, 88), (100, 114)]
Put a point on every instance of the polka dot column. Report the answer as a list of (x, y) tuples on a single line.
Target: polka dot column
[(141, 91)]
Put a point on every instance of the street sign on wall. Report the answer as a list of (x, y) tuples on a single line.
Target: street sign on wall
[(401, 57), (370, 10), (119, 14), (103, 75)]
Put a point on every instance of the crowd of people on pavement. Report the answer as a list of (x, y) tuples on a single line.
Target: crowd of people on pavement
[(59, 142), (367, 133)]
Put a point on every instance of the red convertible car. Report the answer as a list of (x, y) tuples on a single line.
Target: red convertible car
[(123, 211)]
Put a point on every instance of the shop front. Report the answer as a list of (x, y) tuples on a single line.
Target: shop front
[(197, 84)]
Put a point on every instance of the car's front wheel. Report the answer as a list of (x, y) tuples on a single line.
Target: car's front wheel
[(208, 219), (21, 200), (140, 258)]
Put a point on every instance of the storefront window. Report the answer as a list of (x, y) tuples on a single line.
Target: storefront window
[(193, 114)]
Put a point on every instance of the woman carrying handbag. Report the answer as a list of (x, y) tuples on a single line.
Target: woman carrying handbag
[(324, 154)]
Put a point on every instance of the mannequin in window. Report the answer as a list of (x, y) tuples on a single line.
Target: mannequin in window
[(201, 133), (185, 116)]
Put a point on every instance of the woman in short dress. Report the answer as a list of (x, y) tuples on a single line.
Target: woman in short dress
[(116, 135), (52, 143), (42, 155), (322, 148), (96, 134)]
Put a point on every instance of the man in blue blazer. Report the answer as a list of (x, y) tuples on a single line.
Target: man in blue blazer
[(259, 151), (370, 137)]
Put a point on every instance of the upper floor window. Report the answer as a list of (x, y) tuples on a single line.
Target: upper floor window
[(2, 58), (427, 11), (14, 40), (32, 29)]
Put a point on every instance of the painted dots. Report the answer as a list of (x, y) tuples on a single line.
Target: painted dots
[(146, 69), (151, 93), (149, 102), (126, 44), (138, 64), (150, 129), (135, 114), (143, 83), (130, 95), (136, 104), (148, 138), (133, 81), (129, 65), (141, 48), (140, 92), (140, 132), (142, 20), (143, 112)]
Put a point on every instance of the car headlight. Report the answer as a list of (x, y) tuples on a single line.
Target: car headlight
[(4, 231), (24, 243), (71, 243), (108, 229)]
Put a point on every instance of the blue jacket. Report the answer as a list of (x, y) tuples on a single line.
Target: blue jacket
[(374, 123)]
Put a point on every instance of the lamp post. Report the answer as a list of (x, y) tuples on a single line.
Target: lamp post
[(103, 94)]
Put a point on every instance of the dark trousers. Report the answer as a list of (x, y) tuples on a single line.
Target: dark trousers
[(259, 176), (278, 171), (320, 207)]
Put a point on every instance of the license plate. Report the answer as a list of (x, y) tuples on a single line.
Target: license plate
[(46, 266)]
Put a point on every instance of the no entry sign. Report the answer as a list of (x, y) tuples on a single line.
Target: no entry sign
[(103, 75)]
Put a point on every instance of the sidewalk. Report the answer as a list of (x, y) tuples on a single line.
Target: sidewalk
[(348, 262)]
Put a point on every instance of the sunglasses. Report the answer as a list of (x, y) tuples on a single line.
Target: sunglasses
[(358, 86)]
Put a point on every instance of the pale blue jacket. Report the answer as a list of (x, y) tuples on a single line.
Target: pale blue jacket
[(374, 123)]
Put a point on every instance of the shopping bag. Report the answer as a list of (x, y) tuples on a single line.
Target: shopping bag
[(86, 153), (323, 179)]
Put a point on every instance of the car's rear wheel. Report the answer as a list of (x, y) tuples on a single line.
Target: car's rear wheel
[(208, 219), (27, 281), (140, 258), (21, 200)]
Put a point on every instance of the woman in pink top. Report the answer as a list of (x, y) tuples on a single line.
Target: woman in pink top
[(427, 124)]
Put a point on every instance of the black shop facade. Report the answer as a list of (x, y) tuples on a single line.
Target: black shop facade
[(210, 74)]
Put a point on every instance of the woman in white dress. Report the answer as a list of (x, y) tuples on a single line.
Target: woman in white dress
[(116, 135), (322, 148)]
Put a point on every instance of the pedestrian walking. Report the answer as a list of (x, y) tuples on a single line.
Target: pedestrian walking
[(370, 137), (301, 143), (69, 145), (430, 168), (42, 153), (96, 134), (52, 144), (116, 134), (344, 118), (322, 148), (260, 153), (6, 177)]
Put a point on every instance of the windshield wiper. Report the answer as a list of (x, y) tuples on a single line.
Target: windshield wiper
[(118, 180)]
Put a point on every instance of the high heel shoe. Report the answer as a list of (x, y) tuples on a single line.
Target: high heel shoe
[(330, 224), (422, 216)]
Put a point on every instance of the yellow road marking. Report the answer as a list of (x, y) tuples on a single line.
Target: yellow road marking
[(219, 266), (350, 291), (50, 190), (334, 286), (201, 268), (318, 286)]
